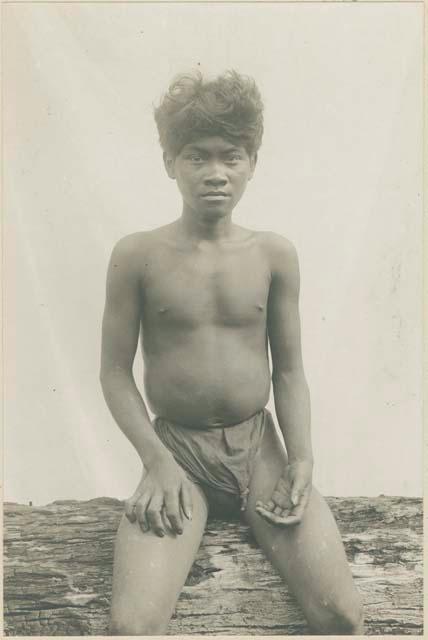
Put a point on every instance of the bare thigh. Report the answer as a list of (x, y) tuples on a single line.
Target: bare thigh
[(310, 556), (149, 572)]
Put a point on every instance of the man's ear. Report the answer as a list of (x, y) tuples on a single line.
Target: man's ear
[(168, 161), (253, 162)]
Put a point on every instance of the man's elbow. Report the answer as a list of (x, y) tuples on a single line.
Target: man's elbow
[(105, 381), (112, 377), (288, 375), (103, 378), (105, 374)]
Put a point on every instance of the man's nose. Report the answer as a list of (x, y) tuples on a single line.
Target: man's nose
[(215, 175)]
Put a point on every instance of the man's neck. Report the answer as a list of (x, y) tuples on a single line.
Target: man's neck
[(204, 228)]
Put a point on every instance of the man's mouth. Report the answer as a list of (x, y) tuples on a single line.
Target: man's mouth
[(215, 195)]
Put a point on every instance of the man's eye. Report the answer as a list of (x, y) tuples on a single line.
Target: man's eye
[(195, 158), (235, 157)]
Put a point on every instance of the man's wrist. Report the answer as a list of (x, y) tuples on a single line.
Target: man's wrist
[(301, 459), (156, 457)]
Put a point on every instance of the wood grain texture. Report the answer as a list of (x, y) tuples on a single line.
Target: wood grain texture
[(58, 566)]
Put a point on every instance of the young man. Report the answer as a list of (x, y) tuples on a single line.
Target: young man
[(209, 296)]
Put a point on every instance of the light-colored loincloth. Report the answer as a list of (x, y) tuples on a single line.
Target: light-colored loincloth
[(220, 458)]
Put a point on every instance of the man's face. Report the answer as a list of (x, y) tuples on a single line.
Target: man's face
[(212, 174)]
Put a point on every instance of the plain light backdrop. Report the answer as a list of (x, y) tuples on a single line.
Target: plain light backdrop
[(339, 173)]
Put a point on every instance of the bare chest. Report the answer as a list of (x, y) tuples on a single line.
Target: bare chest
[(195, 290)]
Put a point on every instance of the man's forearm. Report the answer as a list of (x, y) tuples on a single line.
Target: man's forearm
[(292, 404), (130, 412)]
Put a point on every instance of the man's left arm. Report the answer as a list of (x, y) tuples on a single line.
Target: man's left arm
[(291, 392)]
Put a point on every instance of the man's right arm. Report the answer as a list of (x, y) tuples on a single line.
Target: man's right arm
[(163, 481), (121, 322)]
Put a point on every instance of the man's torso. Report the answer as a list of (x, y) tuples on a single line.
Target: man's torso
[(204, 326)]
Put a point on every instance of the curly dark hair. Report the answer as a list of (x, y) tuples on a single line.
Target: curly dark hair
[(229, 106)]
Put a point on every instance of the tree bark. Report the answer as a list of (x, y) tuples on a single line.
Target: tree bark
[(59, 558)]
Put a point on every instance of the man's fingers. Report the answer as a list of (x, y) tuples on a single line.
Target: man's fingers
[(300, 492), (269, 506), (267, 515), (140, 512), (155, 522), (295, 497), (298, 511), (153, 513), (142, 519), (279, 520), (186, 500), (130, 509), (281, 499), (290, 520), (286, 517), (175, 522), (297, 493), (172, 510), (166, 521), (131, 505)]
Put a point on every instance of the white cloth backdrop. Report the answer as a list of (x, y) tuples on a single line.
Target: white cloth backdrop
[(339, 174)]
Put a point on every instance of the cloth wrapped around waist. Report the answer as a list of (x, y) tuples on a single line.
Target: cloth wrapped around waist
[(221, 458)]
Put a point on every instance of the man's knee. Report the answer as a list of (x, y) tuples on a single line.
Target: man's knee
[(350, 621), (339, 619), (133, 626)]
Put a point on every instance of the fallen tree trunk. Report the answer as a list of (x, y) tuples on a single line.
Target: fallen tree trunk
[(58, 566)]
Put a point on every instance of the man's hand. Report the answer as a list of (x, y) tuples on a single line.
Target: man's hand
[(162, 496), (290, 496)]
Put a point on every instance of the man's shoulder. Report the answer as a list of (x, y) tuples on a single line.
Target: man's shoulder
[(137, 243), (274, 241), (278, 249), (283, 260)]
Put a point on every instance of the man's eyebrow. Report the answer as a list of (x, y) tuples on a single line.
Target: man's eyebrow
[(194, 147)]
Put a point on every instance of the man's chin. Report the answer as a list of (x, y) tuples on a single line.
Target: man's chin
[(212, 214), (211, 211), (219, 210)]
